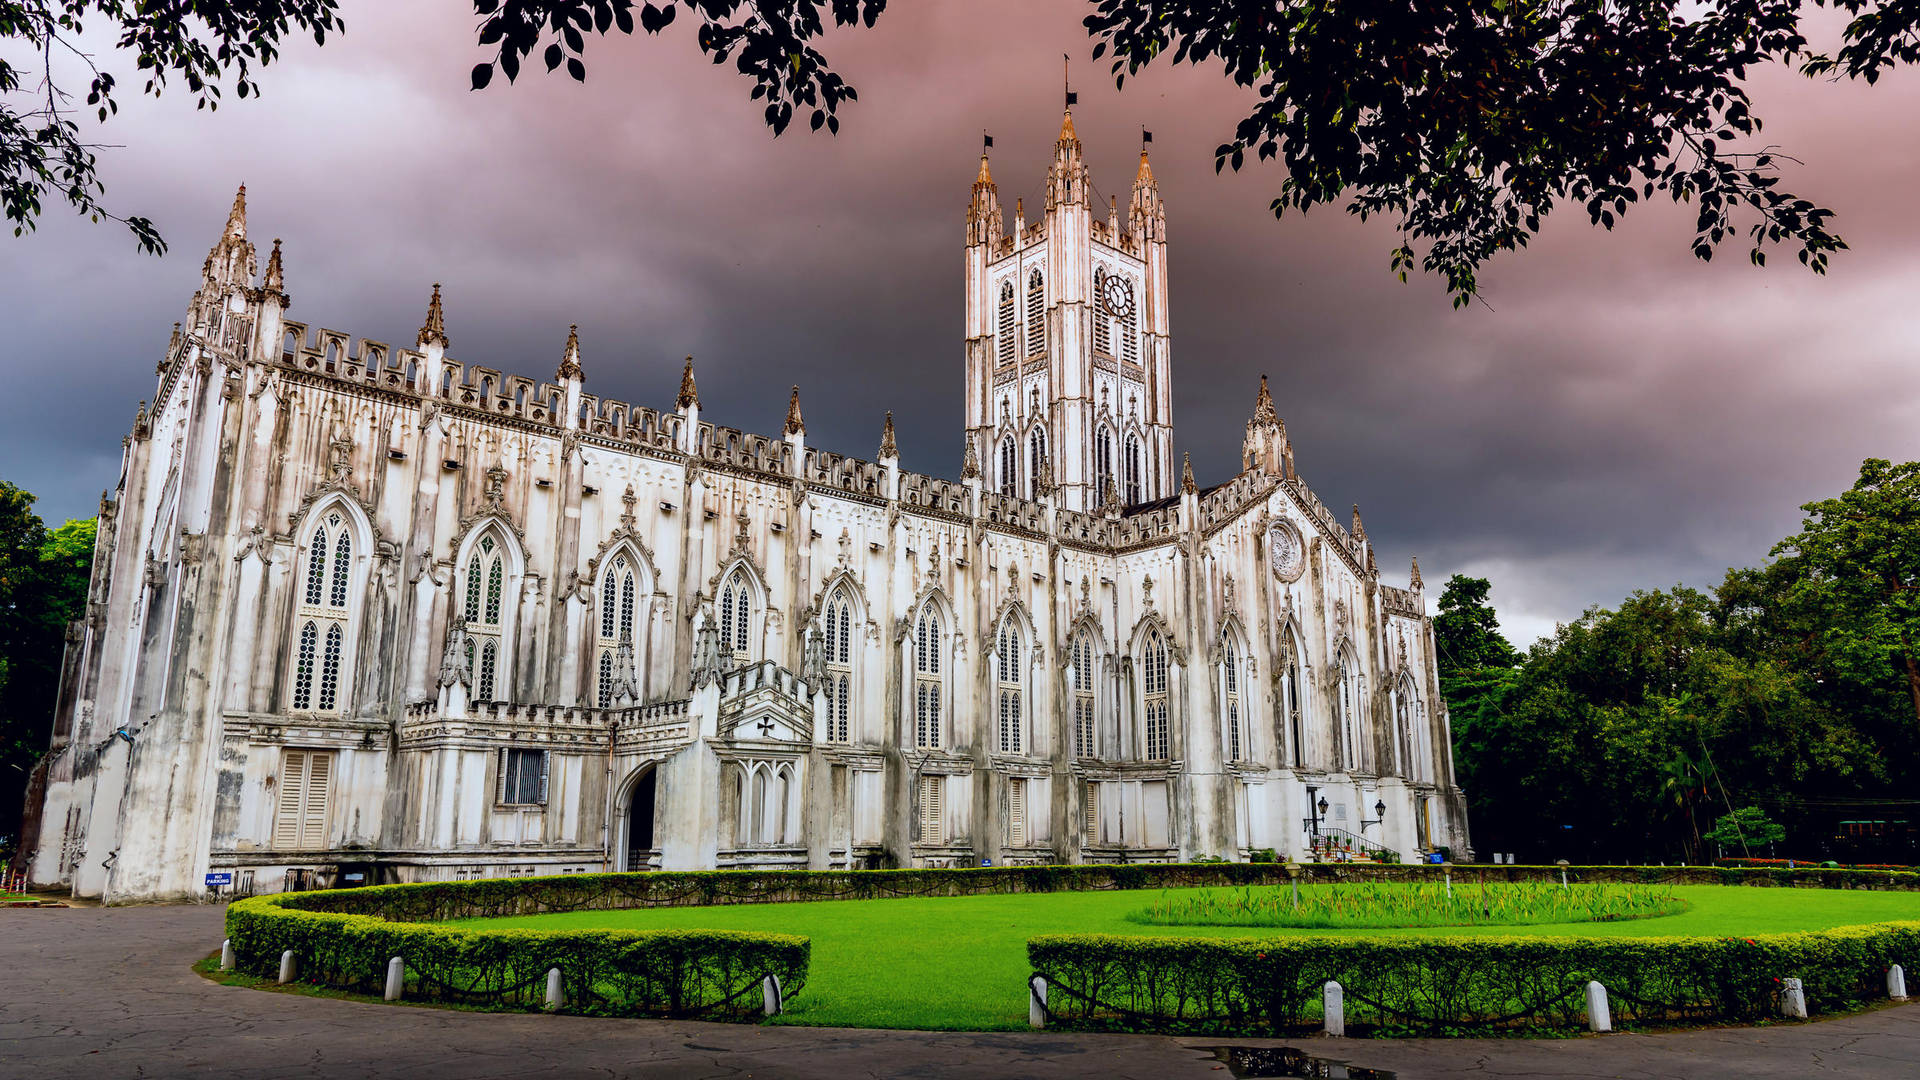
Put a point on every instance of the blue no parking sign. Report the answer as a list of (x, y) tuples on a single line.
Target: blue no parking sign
[(224, 877)]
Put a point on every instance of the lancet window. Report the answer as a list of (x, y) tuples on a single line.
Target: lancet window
[(1230, 671), (929, 686), (1102, 332), (1130, 339), (323, 616), (1293, 704), (485, 600), (1009, 467), (1134, 490), (1009, 700), (1036, 314), (1008, 340), (1102, 464), (1036, 456), (838, 624), (619, 621), (1157, 702), (1081, 660), (736, 613), (1347, 710)]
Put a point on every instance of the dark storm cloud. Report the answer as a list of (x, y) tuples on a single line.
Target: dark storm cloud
[(1621, 415)]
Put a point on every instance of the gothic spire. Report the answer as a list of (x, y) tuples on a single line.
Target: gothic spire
[(689, 393), (435, 329), (794, 424), (570, 362), (1187, 486), (888, 448), (237, 217), (1416, 584), (985, 223), (1263, 405)]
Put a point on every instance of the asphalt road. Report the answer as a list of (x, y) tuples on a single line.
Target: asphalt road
[(108, 993)]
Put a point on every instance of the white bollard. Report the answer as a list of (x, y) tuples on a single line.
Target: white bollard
[(1793, 1000), (556, 993), (289, 966), (771, 1001), (1333, 1002), (396, 978), (1897, 983), (1449, 877), (226, 955), (1036, 1002), (1599, 1014)]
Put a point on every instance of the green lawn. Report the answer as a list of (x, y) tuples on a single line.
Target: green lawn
[(960, 962)]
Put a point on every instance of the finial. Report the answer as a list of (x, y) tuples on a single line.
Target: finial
[(689, 393), (888, 449), (969, 465), (1186, 476), (1416, 583), (794, 424), (1359, 530), (570, 362), (985, 179), (237, 217), (276, 279), (1263, 405), (436, 327)]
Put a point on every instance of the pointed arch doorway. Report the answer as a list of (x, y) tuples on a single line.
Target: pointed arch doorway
[(639, 845)]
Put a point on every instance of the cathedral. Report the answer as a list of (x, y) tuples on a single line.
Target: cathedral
[(361, 613)]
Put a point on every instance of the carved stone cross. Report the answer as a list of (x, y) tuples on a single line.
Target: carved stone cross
[(766, 728)]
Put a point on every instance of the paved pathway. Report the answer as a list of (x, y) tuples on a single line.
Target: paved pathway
[(107, 993)]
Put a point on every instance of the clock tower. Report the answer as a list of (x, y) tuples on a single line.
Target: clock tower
[(1067, 372)]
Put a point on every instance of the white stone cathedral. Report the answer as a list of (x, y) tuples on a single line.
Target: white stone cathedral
[(362, 613)]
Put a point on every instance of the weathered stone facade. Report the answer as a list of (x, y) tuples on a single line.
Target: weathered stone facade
[(359, 610)]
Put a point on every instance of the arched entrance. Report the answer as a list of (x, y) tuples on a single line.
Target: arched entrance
[(640, 841)]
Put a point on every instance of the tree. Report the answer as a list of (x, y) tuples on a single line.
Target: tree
[(1463, 124), (43, 587), (1744, 828), (1466, 630), (1856, 561)]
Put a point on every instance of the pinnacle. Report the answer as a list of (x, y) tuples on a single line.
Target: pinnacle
[(795, 426), (570, 361), (1187, 485), (1359, 529), (888, 448), (276, 279), (986, 175), (1144, 177), (436, 325), (1415, 581), (237, 217), (1067, 134), (1263, 405), (689, 393)]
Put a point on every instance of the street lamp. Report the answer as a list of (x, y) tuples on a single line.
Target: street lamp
[(1379, 815)]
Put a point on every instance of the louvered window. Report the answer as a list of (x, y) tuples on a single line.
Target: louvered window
[(736, 610), (1036, 314), (523, 778), (1006, 669), (1154, 667), (322, 617), (1009, 329), (485, 602), (619, 584), (1130, 336), (1017, 812), (928, 686), (302, 799), (1091, 813), (1102, 335), (1082, 660), (1134, 489), (838, 624), (933, 809)]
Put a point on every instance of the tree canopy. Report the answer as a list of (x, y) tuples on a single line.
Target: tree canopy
[(1463, 124)]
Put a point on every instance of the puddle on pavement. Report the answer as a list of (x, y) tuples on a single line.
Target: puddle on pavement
[(1262, 1061)]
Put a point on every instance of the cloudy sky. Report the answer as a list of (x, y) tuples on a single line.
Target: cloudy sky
[(1621, 416)]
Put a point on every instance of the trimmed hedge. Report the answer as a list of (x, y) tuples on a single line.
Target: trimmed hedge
[(680, 973), (1455, 985)]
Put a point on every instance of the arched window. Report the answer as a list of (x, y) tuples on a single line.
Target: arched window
[(1347, 711), (1102, 464), (736, 612), (838, 624), (1036, 314), (485, 600), (1036, 456), (1410, 739), (1153, 666), (1009, 467), (1009, 329), (619, 585), (1102, 335), (1130, 336), (1230, 670), (1133, 489), (1293, 704), (928, 686), (322, 616), (1007, 688), (1082, 662)]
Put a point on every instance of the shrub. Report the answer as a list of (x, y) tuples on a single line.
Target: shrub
[(680, 973), (1250, 986)]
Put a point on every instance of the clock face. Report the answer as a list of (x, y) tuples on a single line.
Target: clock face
[(1119, 296), (1286, 552)]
